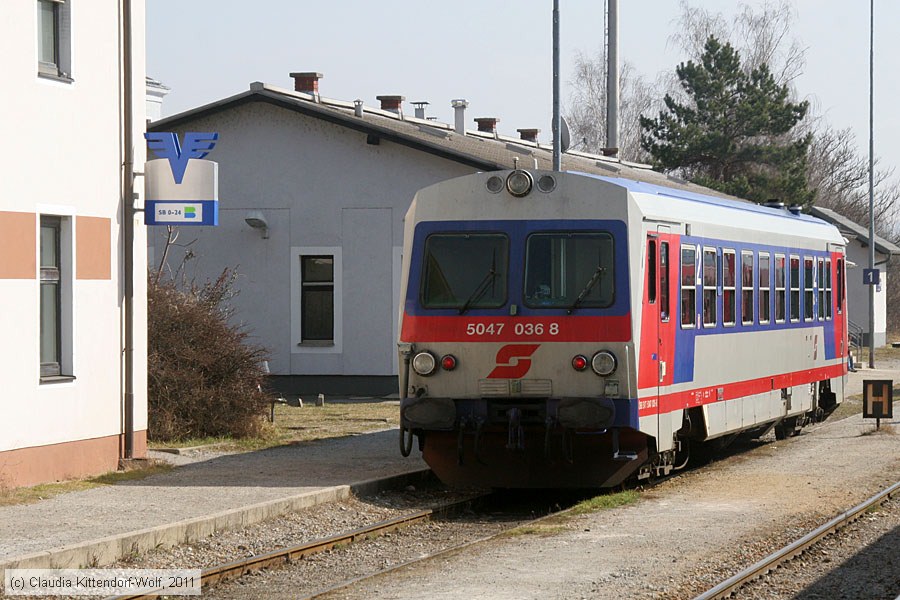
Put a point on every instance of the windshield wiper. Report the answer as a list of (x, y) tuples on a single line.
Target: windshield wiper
[(482, 287), (587, 288)]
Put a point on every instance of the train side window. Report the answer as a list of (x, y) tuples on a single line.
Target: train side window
[(820, 280), (828, 297), (651, 271), (764, 288), (688, 286), (840, 286), (780, 297), (747, 287), (728, 287), (664, 281), (710, 273), (795, 288), (809, 292)]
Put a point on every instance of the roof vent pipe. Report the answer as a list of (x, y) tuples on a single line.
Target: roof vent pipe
[(358, 107), (307, 83), (795, 209), (487, 124), (774, 203), (529, 135), (459, 106), (391, 103), (420, 108)]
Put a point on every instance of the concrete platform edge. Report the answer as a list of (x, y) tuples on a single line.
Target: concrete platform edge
[(110, 549)]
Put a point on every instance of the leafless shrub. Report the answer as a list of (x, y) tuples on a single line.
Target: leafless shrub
[(203, 376)]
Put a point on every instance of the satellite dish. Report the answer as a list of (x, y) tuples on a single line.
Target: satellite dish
[(564, 138)]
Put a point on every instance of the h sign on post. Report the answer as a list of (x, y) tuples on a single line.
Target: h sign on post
[(871, 276), (180, 187)]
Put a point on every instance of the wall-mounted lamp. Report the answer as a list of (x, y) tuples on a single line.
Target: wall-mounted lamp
[(256, 220)]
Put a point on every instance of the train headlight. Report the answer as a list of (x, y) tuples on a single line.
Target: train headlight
[(494, 184), (424, 363), (519, 183), (546, 183), (604, 363)]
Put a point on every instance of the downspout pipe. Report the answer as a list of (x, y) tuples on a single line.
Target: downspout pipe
[(128, 225)]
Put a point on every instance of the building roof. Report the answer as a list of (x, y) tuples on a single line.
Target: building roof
[(481, 150), (852, 230)]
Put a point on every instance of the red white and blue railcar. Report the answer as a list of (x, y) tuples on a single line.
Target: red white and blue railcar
[(572, 330)]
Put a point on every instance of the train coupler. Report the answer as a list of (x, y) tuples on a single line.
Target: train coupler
[(516, 434)]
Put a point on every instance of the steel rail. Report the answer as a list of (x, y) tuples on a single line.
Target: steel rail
[(769, 563), (235, 569)]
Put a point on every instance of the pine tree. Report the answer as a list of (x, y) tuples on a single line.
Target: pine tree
[(733, 133)]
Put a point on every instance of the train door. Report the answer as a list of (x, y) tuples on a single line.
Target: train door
[(659, 280)]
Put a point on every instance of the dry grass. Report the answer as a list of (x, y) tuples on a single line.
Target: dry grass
[(27, 495), (295, 425)]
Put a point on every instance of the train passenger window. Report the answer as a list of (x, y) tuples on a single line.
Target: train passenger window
[(764, 287), (795, 288), (568, 270), (747, 287), (809, 292), (780, 298), (710, 284), (651, 271), (828, 288), (664, 281), (840, 285), (820, 279), (688, 286), (464, 270), (728, 287)]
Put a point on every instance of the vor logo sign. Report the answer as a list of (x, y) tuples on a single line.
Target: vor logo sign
[(513, 361), (165, 145)]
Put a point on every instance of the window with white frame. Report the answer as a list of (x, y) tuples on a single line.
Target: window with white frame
[(827, 285), (729, 279), (54, 38), (317, 298), (809, 288), (764, 288), (795, 288), (820, 263), (710, 285), (747, 287), (688, 286), (780, 292)]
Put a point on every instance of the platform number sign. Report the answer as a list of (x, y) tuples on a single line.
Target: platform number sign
[(878, 399), (871, 276)]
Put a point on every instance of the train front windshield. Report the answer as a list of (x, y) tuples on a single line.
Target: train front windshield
[(465, 270), (568, 270)]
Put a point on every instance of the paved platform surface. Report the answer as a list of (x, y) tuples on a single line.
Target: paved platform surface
[(223, 491)]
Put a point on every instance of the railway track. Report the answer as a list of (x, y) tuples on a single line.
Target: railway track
[(796, 548), (232, 570)]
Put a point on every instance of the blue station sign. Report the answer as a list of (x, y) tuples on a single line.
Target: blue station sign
[(180, 187)]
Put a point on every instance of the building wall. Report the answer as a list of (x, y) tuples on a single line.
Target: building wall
[(858, 292), (64, 150), (323, 189)]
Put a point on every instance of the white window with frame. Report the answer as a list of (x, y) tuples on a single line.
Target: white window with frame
[(764, 288), (809, 288), (56, 362), (795, 288), (316, 308), (780, 291), (729, 280), (820, 279), (828, 289), (710, 285), (54, 39), (688, 287), (746, 287)]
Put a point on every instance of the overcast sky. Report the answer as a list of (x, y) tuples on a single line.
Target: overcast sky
[(496, 54)]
